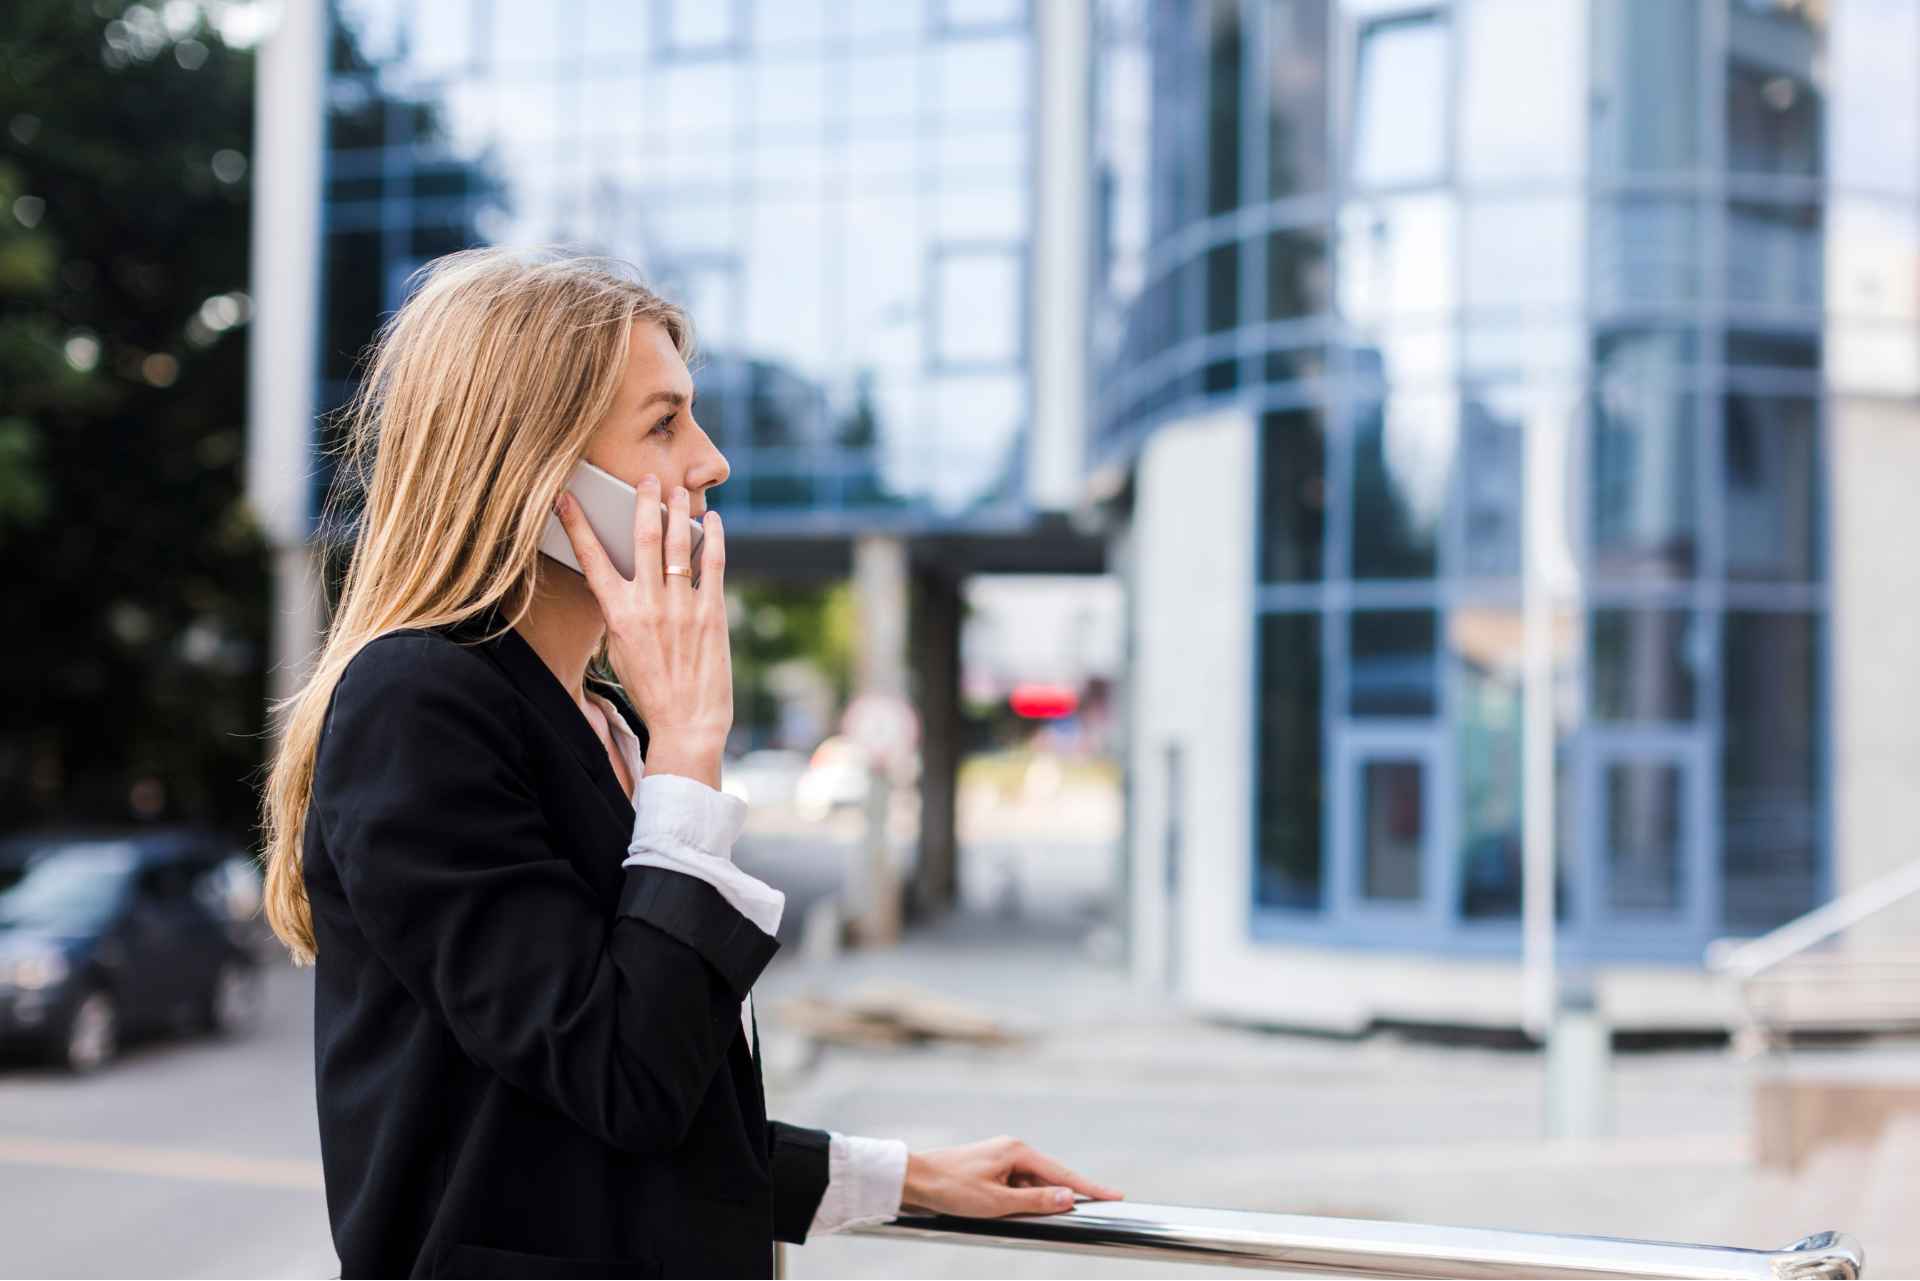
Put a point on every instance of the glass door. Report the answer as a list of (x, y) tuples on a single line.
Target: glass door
[(1645, 823), (1387, 805)]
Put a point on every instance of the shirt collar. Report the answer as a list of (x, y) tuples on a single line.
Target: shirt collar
[(623, 736)]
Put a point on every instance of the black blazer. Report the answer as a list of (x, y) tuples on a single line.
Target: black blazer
[(529, 1059)]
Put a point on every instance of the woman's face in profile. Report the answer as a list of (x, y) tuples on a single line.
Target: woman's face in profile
[(651, 429)]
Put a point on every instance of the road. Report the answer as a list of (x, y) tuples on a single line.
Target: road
[(185, 1158)]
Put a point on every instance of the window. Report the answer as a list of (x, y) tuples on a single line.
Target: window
[(441, 38), (1774, 111), (1296, 273), (371, 28), (790, 98), (1643, 664), (1644, 836), (1296, 97), (1774, 254), (958, 17), (701, 26), (1493, 478), (1485, 651), (1403, 448), (1645, 105), (1644, 479), (525, 36), (1398, 133), (1394, 669), (1289, 874), (1646, 249), (1293, 496), (1397, 257), (1393, 829), (1224, 49), (882, 91), (977, 307), (1772, 474), (981, 79), (1770, 768), (1521, 52), (1223, 287), (782, 24), (1523, 253)]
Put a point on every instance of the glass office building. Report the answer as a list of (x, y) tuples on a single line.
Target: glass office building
[(838, 191), (1406, 240)]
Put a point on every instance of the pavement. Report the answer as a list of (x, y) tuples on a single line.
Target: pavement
[(187, 1157)]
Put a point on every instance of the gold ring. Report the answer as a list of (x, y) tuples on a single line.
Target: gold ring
[(681, 569)]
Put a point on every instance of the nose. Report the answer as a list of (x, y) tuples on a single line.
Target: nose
[(710, 470)]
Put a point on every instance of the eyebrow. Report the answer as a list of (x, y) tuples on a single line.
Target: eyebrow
[(671, 397)]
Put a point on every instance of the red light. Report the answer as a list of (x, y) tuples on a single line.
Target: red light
[(1043, 702)]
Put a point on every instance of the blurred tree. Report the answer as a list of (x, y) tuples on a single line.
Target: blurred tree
[(780, 622), (136, 594)]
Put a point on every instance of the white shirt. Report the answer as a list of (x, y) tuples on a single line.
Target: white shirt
[(683, 825)]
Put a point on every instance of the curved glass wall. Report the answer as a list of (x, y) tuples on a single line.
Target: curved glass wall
[(1680, 239), (839, 191)]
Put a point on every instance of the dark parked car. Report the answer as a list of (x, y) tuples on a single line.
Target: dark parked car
[(103, 934)]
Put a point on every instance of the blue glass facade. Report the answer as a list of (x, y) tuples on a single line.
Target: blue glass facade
[(839, 192), (1408, 237)]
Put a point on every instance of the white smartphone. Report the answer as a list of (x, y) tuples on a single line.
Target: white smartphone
[(608, 503)]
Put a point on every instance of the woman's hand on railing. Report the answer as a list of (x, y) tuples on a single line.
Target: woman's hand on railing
[(993, 1178)]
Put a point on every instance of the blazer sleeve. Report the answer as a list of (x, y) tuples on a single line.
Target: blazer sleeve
[(450, 871), (798, 1158)]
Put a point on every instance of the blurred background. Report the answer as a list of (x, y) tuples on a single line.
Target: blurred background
[(1323, 591)]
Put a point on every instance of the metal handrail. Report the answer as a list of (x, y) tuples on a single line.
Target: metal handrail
[(1311, 1246), (1747, 958)]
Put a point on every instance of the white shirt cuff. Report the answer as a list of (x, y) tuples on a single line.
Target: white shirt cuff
[(865, 1180), (683, 825)]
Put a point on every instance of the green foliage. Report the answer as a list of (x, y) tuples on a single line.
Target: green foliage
[(136, 588), (782, 622)]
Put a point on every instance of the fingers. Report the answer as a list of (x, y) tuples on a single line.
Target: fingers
[(1045, 1167), (713, 565), (602, 578), (647, 564), (679, 541), (1038, 1200)]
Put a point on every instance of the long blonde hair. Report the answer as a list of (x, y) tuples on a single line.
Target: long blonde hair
[(479, 396)]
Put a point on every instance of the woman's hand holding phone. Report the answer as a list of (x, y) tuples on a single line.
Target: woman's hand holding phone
[(667, 642)]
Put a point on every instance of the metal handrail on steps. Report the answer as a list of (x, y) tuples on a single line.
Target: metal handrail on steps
[(1749, 958), (1303, 1245)]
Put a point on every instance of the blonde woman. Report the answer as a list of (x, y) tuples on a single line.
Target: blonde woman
[(535, 1048)]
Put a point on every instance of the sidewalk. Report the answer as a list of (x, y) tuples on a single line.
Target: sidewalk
[(1121, 1085)]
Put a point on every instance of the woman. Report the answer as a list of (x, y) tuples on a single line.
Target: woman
[(535, 1049)]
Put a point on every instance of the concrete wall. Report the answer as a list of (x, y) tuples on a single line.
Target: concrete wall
[(1191, 566), (1874, 665)]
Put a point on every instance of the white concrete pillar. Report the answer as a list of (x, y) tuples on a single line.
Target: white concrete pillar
[(1062, 240), (881, 594), (288, 138)]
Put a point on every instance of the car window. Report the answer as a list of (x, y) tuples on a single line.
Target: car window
[(72, 888)]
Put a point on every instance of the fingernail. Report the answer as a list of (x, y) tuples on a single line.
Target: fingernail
[(1061, 1196), (650, 481), (560, 503), (680, 492)]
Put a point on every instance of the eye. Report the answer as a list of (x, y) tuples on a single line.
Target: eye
[(665, 426)]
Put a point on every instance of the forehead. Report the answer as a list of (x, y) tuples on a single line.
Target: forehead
[(653, 362)]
